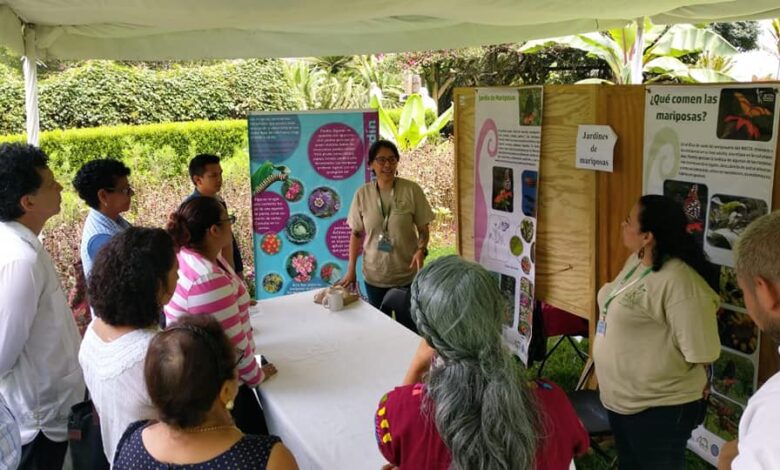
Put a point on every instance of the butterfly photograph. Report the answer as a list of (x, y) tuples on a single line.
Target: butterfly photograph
[(692, 197), (746, 113), (530, 101), (503, 189)]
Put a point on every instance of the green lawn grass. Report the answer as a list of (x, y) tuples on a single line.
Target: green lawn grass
[(564, 368), (439, 251)]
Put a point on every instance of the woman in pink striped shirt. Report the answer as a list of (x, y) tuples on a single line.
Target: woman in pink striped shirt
[(207, 285)]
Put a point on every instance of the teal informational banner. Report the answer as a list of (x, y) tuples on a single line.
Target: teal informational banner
[(305, 169)]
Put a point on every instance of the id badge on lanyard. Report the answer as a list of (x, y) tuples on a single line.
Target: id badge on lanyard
[(601, 326)]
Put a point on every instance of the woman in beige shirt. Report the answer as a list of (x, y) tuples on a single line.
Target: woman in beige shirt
[(389, 218), (656, 332)]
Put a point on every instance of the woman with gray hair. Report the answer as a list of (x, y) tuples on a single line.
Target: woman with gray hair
[(474, 408)]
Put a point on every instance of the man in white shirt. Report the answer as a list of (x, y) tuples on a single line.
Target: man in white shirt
[(40, 378), (758, 275)]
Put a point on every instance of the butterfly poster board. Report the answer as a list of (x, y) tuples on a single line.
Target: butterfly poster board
[(305, 168), (508, 124), (713, 150)]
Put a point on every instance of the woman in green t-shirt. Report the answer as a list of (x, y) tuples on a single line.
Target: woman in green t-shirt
[(656, 334), (389, 219)]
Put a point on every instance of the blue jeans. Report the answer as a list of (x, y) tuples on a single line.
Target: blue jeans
[(655, 438)]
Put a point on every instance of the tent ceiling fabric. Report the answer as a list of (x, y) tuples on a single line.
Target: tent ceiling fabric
[(202, 29)]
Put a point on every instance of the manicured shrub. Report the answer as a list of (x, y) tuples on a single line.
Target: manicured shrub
[(162, 149), (11, 102), (105, 93)]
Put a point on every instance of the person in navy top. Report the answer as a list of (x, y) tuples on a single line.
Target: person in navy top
[(190, 373)]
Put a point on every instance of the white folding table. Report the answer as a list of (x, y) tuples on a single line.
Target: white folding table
[(333, 369)]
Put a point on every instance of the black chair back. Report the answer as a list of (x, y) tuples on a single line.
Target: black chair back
[(398, 303), (592, 413)]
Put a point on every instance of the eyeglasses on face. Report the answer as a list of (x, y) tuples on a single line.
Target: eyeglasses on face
[(385, 160), (231, 218), (128, 191)]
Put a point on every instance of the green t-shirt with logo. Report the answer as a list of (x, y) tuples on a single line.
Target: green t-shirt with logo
[(659, 331), (409, 210)]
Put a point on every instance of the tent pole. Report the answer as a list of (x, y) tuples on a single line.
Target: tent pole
[(639, 50), (29, 64)]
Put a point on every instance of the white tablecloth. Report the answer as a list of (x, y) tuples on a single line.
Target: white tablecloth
[(333, 369)]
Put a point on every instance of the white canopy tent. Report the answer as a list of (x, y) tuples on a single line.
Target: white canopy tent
[(208, 29)]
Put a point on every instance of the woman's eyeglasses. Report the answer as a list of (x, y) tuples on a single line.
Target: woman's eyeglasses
[(231, 219), (385, 160), (128, 191)]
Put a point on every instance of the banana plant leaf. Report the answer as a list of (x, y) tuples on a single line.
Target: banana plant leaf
[(684, 39)]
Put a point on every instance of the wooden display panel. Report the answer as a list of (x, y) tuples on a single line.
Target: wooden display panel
[(579, 245), (623, 108), (464, 170), (566, 232), (566, 239)]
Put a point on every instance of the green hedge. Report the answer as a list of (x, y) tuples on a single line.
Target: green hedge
[(104, 93), (161, 149), (11, 102)]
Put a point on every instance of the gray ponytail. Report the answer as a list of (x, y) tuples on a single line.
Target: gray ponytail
[(483, 409)]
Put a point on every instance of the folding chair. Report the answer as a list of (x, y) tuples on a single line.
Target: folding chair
[(592, 413), (398, 302), (557, 322)]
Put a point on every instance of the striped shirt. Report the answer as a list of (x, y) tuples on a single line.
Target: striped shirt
[(206, 288)]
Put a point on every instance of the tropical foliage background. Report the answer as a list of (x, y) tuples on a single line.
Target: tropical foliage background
[(156, 115)]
